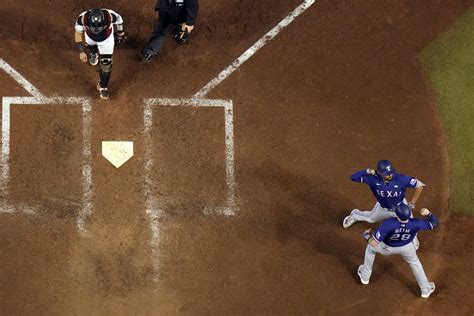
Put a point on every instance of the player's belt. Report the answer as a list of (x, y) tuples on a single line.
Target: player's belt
[(177, 3)]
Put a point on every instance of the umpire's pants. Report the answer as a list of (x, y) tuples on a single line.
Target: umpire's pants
[(157, 37)]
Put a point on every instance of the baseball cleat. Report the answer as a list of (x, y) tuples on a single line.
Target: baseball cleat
[(348, 220), (428, 293), (93, 59), (103, 92), (146, 57), (359, 273)]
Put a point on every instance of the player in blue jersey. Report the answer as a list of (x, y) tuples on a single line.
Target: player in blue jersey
[(388, 187), (395, 236)]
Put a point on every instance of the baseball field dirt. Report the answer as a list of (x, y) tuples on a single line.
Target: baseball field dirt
[(447, 63), (338, 89)]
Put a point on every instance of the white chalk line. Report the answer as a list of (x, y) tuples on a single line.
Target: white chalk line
[(231, 207), (40, 99), (153, 209), (227, 105), (154, 212), (5, 146), (189, 102), (6, 207), (87, 183), (254, 48), (20, 79)]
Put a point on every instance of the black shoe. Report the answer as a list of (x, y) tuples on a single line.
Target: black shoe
[(103, 92), (146, 57), (94, 59)]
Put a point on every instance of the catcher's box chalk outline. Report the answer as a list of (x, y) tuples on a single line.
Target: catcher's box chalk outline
[(227, 105), (39, 99), (198, 101)]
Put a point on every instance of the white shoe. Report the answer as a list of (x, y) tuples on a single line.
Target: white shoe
[(348, 220), (359, 273), (432, 289)]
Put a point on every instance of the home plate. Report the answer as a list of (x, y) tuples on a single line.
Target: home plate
[(116, 152)]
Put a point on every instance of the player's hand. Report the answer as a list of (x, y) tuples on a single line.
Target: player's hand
[(367, 234), (411, 205), (187, 28), (83, 57), (120, 37), (425, 212), (370, 171)]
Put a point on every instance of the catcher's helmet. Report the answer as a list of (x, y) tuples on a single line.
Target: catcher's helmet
[(385, 168), (96, 22), (403, 211)]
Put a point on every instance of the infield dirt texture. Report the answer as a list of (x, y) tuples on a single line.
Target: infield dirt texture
[(340, 88)]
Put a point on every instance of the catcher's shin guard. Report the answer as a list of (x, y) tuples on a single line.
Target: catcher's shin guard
[(106, 63)]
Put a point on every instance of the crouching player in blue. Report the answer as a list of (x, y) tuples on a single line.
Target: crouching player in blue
[(395, 236)]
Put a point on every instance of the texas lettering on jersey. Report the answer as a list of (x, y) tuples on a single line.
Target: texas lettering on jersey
[(387, 193)]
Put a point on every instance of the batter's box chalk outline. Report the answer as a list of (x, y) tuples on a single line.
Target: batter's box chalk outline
[(38, 99), (152, 203)]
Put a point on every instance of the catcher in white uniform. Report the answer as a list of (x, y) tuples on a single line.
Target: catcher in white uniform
[(97, 28)]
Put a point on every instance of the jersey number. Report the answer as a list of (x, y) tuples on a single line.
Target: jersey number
[(400, 237)]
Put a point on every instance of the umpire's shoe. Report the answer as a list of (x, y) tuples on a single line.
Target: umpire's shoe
[(146, 57), (103, 92)]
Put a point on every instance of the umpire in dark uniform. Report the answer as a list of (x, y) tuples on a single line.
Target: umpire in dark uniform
[(180, 14)]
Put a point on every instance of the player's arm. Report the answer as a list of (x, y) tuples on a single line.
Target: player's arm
[(369, 238), (431, 221), (418, 189), (78, 35), (361, 176), (192, 9), (117, 20), (418, 186), (374, 238)]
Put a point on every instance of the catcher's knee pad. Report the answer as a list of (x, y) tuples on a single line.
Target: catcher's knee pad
[(106, 63)]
